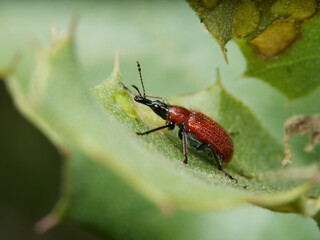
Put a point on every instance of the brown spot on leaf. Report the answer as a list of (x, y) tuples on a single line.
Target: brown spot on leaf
[(245, 19), (301, 125), (276, 38), (209, 3), (296, 9)]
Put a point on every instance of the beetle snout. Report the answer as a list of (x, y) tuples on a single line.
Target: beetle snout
[(142, 100), (138, 98)]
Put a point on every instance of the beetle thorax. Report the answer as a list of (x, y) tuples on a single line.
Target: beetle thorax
[(178, 114)]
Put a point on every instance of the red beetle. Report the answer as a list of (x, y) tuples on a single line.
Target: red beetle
[(196, 129)]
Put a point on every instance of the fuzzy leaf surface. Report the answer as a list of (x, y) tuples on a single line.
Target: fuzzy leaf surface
[(115, 180)]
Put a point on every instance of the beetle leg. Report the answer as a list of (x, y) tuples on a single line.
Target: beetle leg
[(218, 160), (201, 147), (169, 126), (126, 88), (184, 142), (180, 134)]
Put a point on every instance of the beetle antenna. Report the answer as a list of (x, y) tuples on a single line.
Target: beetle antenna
[(136, 88), (139, 69)]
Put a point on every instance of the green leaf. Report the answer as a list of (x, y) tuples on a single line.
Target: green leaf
[(116, 210), (280, 39), (81, 125), (136, 187), (295, 72)]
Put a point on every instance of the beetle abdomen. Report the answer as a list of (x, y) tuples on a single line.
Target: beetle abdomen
[(208, 131)]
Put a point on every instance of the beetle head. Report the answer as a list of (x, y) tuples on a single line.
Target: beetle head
[(160, 108)]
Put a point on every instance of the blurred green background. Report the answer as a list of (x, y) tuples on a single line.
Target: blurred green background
[(167, 38)]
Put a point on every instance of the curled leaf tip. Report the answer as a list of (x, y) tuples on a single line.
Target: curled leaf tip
[(56, 36), (218, 75), (301, 125), (287, 151), (75, 19), (116, 67), (224, 51), (46, 224), (54, 31)]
